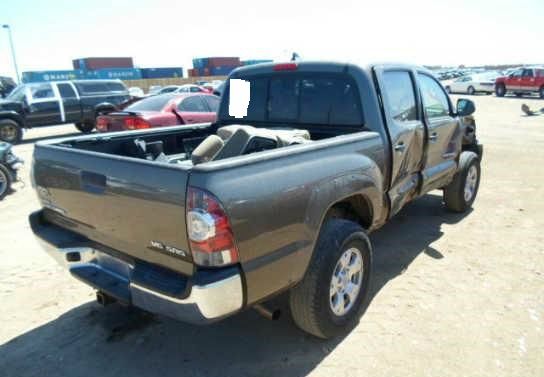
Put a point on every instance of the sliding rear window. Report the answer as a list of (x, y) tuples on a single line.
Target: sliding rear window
[(307, 99)]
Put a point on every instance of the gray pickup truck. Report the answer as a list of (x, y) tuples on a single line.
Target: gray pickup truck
[(199, 222)]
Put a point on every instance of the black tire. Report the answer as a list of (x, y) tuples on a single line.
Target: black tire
[(454, 193), (10, 131), (500, 90), (471, 90), (541, 92), (85, 127), (5, 181), (310, 299)]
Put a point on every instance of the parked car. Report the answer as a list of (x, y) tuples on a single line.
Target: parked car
[(135, 91), (160, 111), (168, 89), (154, 89), (522, 81), (9, 164), (472, 84), (189, 88), (6, 86), (49, 103), (200, 222)]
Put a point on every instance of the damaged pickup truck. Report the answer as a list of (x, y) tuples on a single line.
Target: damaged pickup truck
[(199, 222)]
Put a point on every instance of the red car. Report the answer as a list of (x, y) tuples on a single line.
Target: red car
[(521, 81), (162, 110)]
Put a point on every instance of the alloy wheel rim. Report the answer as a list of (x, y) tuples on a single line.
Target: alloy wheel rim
[(346, 281), (8, 132), (470, 183)]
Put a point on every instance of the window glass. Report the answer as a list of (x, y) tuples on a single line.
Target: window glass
[(435, 100), (92, 87), (153, 103), (193, 104), (168, 89), (66, 91), (17, 94), (527, 73), (194, 89), (400, 96), (116, 87), (41, 91), (319, 99), (517, 73), (213, 102)]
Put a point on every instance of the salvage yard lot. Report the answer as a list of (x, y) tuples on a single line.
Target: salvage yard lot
[(453, 295)]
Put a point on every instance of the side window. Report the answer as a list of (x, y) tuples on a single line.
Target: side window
[(42, 91), (517, 73), (194, 89), (193, 104), (91, 87), (435, 100), (66, 91), (400, 96), (527, 73), (213, 102)]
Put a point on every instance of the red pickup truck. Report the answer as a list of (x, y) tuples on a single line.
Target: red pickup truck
[(521, 81)]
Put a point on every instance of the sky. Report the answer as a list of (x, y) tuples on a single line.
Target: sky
[(47, 35)]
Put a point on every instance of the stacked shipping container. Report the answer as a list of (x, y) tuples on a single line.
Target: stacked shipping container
[(214, 66), (102, 63)]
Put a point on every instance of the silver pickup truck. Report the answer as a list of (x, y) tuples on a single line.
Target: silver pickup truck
[(199, 222)]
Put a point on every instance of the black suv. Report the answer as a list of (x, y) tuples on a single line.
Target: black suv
[(49, 103)]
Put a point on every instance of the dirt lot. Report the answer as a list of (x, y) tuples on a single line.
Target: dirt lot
[(453, 295)]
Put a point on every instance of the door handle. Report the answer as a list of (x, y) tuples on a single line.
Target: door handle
[(400, 147), (433, 136)]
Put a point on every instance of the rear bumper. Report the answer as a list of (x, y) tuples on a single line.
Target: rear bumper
[(207, 296)]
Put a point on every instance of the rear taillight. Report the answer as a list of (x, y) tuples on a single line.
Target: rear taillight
[(134, 123), (102, 124), (209, 230), (285, 67)]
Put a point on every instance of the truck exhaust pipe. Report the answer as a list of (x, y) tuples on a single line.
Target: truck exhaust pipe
[(272, 315), (104, 299)]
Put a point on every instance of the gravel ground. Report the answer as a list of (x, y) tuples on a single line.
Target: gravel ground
[(454, 295)]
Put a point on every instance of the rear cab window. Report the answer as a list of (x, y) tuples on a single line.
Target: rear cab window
[(302, 98)]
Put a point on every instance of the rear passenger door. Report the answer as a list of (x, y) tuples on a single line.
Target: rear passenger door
[(406, 131), (70, 106), (528, 80), (443, 134)]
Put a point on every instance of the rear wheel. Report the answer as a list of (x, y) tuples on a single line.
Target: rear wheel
[(330, 298), (85, 127), (471, 90), (461, 192), (5, 181), (500, 90), (10, 131)]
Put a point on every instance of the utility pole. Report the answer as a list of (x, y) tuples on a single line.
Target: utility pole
[(5, 26)]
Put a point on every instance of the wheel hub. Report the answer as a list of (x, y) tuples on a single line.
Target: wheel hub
[(470, 183), (346, 281), (8, 132)]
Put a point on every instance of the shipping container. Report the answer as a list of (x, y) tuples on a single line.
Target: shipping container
[(223, 61), (41, 76), (114, 73), (193, 72), (163, 72), (221, 71), (200, 63), (101, 63), (256, 61)]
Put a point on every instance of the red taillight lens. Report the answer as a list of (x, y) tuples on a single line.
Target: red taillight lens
[(209, 230), (285, 67), (102, 124), (135, 124)]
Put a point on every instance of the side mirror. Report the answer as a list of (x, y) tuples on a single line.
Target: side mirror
[(465, 107)]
